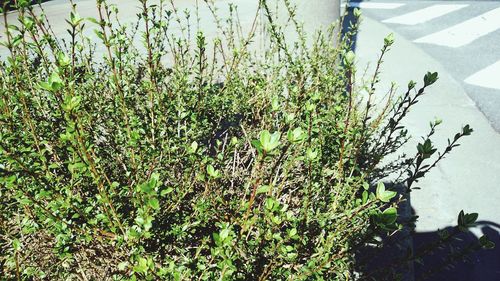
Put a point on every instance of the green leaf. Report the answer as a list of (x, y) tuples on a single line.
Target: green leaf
[(122, 266), (63, 60), (384, 195), (275, 103), (411, 85), (357, 12), (16, 244), (486, 243), (46, 86), (141, 266), (467, 130), (263, 189), (71, 103), (154, 203), (93, 20), (465, 221), (389, 39), (212, 172), (311, 154), (194, 147), (364, 197), (166, 191), (470, 219), (258, 146), (430, 78), (99, 34), (150, 186), (388, 216), (269, 141), (349, 58), (223, 234), (55, 82), (75, 18), (296, 135)]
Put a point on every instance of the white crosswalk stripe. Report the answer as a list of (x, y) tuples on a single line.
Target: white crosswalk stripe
[(488, 77), (425, 14), (465, 32), (378, 5), (462, 36)]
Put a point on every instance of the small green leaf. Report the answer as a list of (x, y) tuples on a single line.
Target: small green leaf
[(269, 141), (465, 221), (356, 12), (470, 219), (150, 186), (154, 203), (411, 85), (62, 59), (275, 103), (364, 197), (389, 39), (263, 189), (122, 266), (44, 85), (349, 58), (71, 103), (467, 130), (141, 266), (194, 147), (258, 146), (311, 154), (55, 82), (430, 78), (384, 195), (486, 243), (223, 234), (388, 216), (16, 244), (166, 191), (93, 20), (296, 135), (212, 172)]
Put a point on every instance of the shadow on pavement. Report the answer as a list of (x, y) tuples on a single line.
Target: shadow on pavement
[(441, 255), (349, 20), (460, 258)]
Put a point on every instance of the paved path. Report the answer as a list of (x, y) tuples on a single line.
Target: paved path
[(464, 36), (469, 179)]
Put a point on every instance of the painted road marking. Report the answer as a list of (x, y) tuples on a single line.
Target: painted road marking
[(380, 6), (423, 15), (465, 32), (488, 77)]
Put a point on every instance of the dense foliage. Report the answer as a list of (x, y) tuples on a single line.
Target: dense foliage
[(176, 157)]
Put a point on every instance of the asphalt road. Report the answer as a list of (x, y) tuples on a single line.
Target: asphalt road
[(463, 36)]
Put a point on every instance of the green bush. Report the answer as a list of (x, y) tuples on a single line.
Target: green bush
[(225, 164)]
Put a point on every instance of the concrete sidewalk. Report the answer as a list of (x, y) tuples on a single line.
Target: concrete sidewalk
[(469, 178)]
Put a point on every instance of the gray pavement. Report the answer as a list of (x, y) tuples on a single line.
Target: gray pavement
[(460, 62), (469, 179)]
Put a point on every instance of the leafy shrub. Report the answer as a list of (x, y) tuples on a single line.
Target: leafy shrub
[(226, 164)]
